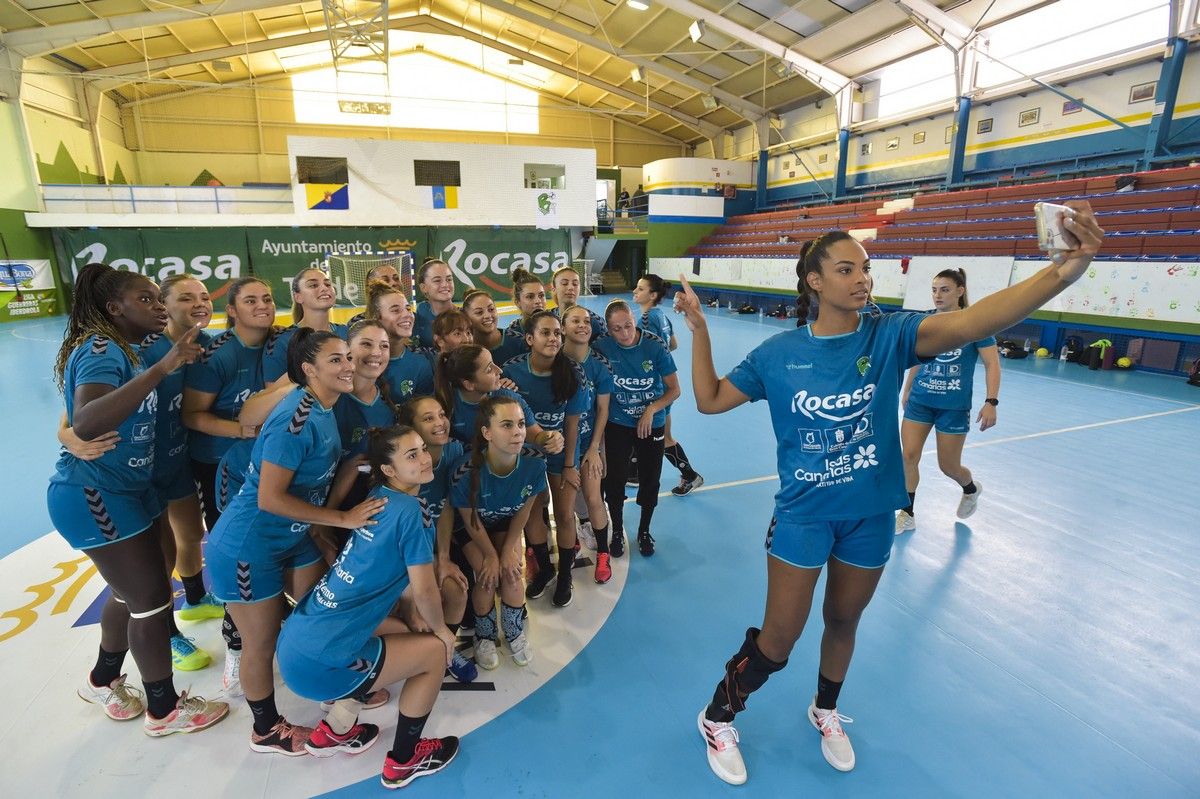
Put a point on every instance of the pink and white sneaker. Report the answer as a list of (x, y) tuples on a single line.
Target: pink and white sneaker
[(191, 714), (835, 744), (724, 758), (119, 701)]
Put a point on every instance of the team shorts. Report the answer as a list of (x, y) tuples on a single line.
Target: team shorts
[(865, 543), (321, 681), (247, 578), (94, 517), (176, 483), (951, 421)]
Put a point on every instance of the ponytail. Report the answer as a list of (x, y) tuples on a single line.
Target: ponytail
[(381, 447), (302, 349), (658, 286), (452, 369), (811, 255), (959, 276), (96, 285)]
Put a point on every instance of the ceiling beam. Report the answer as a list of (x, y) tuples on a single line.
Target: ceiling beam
[(818, 74), (733, 102), (33, 42), (706, 129)]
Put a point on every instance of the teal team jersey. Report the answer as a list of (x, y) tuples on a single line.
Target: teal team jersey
[(833, 403)]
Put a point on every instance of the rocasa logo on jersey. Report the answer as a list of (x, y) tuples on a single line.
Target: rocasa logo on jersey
[(226, 266), (810, 404), (465, 264)]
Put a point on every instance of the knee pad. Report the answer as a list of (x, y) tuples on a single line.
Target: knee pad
[(746, 672)]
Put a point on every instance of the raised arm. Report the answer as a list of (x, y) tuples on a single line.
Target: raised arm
[(713, 394), (942, 332)]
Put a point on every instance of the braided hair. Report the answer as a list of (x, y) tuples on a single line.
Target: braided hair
[(96, 286), (811, 255)]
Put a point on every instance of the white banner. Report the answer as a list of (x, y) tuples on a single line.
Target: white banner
[(26, 275)]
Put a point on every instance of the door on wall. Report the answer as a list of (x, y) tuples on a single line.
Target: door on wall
[(629, 259)]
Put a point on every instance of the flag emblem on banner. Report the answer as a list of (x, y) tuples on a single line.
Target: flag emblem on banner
[(445, 196), (327, 196)]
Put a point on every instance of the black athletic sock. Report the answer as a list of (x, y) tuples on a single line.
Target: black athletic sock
[(566, 562), (827, 692), (193, 588), (679, 460), (174, 628), (161, 697), (644, 524), (970, 488), (542, 553), (266, 715), (408, 732), (229, 631), (108, 667), (912, 499), (601, 539)]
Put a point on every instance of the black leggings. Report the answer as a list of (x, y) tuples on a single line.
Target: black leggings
[(619, 442), (137, 574), (205, 475)]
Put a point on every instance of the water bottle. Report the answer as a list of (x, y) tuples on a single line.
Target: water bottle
[(1062, 354), (731, 306), (760, 314), (1027, 345)]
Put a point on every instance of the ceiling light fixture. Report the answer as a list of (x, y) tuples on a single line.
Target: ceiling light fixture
[(637, 5), (696, 30), (783, 69), (710, 102), (636, 74)]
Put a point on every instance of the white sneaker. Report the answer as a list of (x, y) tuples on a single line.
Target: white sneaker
[(191, 714), (119, 701), (522, 653), (966, 505), (486, 656), (835, 744), (231, 679), (586, 536), (721, 741), (905, 523)]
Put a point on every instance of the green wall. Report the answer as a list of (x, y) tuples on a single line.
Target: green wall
[(671, 240)]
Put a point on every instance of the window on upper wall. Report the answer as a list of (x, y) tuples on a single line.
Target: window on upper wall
[(437, 173), (545, 176), (917, 81), (1067, 33)]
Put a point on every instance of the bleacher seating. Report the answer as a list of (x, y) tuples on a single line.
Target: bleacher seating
[(1158, 219)]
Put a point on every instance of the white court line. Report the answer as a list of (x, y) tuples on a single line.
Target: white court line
[(1073, 429), (1102, 388), (933, 450)]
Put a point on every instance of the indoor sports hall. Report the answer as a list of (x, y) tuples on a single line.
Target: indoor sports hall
[(1033, 636)]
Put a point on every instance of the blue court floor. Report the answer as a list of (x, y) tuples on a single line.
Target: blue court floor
[(1050, 647)]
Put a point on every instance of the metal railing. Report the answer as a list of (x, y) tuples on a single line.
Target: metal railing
[(114, 199)]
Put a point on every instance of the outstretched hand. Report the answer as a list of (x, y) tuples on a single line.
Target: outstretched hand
[(1071, 264), (688, 304)]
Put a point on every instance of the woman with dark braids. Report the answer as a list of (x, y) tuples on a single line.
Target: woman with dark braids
[(648, 294), (261, 544), (108, 507), (832, 386), (494, 489), (340, 644)]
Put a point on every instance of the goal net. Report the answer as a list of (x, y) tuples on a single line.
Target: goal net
[(355, 272)]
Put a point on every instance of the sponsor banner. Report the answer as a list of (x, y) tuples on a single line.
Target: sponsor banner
[(215, 256), (480, 257), (27, 289), (278, 254), (484, 257)]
